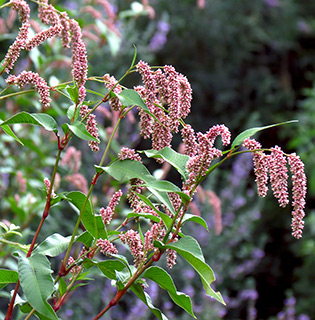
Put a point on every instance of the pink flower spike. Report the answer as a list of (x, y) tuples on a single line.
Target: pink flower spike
[(126, 153), (133, 240), (189, 139), (278, 176), (106, 247), (22, 8), (299, 194), (47, 185), (40, 84), (107, 214), (15, 49)]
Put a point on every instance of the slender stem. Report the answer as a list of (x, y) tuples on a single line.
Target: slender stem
[(30, 314), (16, 94), (45, 214)]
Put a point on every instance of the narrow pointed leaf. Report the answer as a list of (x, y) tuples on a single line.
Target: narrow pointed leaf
[(73, 112), (53, 246), (138, 291), (177, 160), (124, 170), (131, 97), (7, 276), (250, 132), (197, 219), (143, 215), (85, 238), (107, 267), (40, 119), (165, 281), (80, 131), (37, 283), (166, 186), (10, 133), (190, 250), (93, 224), (74, 93)]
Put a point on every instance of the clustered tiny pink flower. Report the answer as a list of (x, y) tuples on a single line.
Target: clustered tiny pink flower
[(186, 96), (15, 49), (110, 82), (189, 140), (107, 214), (91, 126), (72, 159), (79, 181), (43, 36), (299, 194), (47, 185), (65, 33), (133, 240), (215, 202), (126, 153), (47, 13), (278, 175), (22, 8), (260, 165), (21, 181), (106, 247), (221, 130), (157, 232), (74, 269), (40, 84), (132, 197), (171, 256)]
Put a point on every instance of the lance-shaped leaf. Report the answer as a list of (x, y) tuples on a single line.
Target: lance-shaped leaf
[(10, 133), (190, 250), (80, 131), (250, 132), (143, 215), (7, 276), (73, 112), (177, 160), (40, 119), (93, 224), (107, 267), (138, 291), (85, 238), (197, 219), (53, 246), (73, 93), (165, 281), (37, 283), (130, 169)]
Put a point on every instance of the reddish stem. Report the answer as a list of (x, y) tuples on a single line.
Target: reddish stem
[(11, 306)]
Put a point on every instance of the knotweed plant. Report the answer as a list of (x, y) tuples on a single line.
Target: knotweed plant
[(157, 208)]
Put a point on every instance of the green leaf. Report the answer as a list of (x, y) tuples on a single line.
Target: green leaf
[(250, 132), (124, 170), (134, 57), (165, 218), (197, 219), (138, 291), (165, 281), (107, 267), (166, 186), (85, 238), (37, 283), (53, 246), (40, 119), (62, 286), (177, 160), (59, 197), (73, 112), (129, 97), (94, 225), (9, 132), (190, 250), (80, 131), (8, 276), (74, 93)]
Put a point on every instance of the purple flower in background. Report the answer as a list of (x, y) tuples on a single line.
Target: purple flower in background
[(272, 3), (303, 317), (249, 294), (160, 37), (258, 253)]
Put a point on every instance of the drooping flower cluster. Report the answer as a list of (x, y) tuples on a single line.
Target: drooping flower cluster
[(126, 153), (106, 247), (47, 185), (40, 84), (110, 83), (107, 214), (133, 240), (276, 164), (168, 96), (22, 8), (91, 126), (299, 194), (201, 157)]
